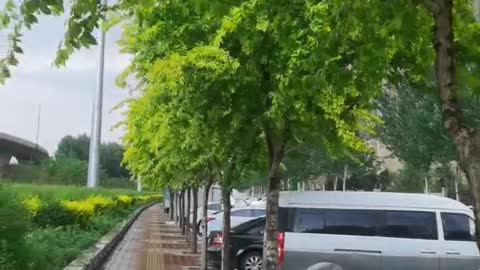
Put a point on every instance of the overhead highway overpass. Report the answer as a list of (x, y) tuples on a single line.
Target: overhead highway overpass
[(23, 150)]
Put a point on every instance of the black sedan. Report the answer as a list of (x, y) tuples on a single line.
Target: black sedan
[(246, 246)]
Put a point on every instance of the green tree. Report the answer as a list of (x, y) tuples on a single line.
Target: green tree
[(408, 179), (111, 154), (453, 57), (66, 171), (311, 162), (413, 128), (413, 131), (297, 95), (74, 147)]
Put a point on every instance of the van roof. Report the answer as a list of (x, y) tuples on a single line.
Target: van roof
[(370, 199)]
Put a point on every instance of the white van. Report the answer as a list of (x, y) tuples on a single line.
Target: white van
[(375, 231)]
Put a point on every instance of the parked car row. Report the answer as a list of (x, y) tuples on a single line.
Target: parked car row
[(237, 216), (241, 212), (359, 231)]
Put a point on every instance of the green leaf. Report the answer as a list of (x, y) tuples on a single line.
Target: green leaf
[(87, 39), (17, 49)]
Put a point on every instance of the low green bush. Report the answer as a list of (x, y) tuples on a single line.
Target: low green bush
[(54, 215), (54, 248), (14, 220)]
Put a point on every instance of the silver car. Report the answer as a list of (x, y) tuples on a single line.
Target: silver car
[(237, 216), (375, 231)]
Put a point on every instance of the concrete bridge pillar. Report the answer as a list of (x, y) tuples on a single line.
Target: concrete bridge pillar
[(4, 162)]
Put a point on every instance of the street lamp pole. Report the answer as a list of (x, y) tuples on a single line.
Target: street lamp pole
[(95, 138)]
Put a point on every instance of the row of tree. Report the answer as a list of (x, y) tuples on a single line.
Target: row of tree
[(230, 87)]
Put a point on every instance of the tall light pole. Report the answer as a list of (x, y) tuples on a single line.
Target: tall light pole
[(139, 184), (38, 124), (96, 136)]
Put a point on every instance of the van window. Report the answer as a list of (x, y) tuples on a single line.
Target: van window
[(309, 221), (414, 225), (352, 222), (285, 218), (458, 227)]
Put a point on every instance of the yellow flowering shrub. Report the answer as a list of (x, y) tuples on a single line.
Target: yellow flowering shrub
[(142, 198), (33, 204), (100, 202), (156, 197), (125, 200), (147, 198), (83, 209)]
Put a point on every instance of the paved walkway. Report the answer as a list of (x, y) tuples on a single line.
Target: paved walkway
[(152, 243)]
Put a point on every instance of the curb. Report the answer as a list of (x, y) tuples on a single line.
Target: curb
[(94, 257)]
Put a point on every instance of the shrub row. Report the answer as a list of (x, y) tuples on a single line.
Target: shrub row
[(69, 212)]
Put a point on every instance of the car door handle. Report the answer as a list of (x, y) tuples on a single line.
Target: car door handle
[(428, 251), (358, 251), (449, 252)]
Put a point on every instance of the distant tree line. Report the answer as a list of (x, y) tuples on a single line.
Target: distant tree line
[(111, 154), (69, 165)]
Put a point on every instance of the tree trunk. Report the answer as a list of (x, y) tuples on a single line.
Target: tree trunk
[(271, 239), (204, 259), (465, 138), (324, 181), (172, 202), (345, 177), (457, 181), (335, 183), (194, 222), (226, 192), (276, 148), (176, 208), (426, 188), (179, 211), (182, 212), (187, 216)]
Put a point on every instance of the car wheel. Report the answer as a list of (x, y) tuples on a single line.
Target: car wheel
[(251, 261)]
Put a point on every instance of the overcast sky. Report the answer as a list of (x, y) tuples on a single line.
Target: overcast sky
[(65, 94)]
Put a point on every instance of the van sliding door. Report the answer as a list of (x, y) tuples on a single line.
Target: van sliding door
[(410, 241)]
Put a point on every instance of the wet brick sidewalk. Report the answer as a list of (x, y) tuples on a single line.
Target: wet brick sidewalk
[(152, 243)]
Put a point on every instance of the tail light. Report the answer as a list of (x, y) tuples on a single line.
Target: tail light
[(217, 241), (281, 248), (210, 219)]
